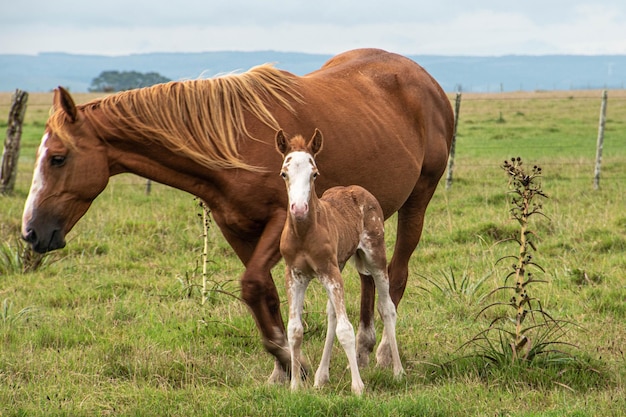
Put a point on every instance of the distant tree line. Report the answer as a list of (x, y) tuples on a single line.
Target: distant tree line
[(111, 81)]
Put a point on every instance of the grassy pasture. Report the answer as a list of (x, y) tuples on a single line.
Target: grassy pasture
[(112, 324)]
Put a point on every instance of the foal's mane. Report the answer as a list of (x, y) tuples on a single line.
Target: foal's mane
[(297, 143), (200, 119)]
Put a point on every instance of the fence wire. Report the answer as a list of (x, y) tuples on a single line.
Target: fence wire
[(583, 155)]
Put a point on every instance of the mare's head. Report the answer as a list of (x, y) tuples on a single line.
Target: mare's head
[(71, 169), (299, 169)]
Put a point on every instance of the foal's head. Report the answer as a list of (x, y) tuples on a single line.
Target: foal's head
[(299, 170)]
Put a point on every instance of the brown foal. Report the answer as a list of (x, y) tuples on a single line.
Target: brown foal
[(319, 237)]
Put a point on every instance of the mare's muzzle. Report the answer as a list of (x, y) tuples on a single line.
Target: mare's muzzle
[(43, 241)]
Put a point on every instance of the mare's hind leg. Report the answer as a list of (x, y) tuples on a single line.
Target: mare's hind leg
[(366, 334), (409, 232)]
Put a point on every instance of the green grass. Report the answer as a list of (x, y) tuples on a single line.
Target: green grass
[(113, 324)]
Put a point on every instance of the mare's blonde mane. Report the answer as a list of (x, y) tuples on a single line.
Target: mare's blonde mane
[(201, 119)]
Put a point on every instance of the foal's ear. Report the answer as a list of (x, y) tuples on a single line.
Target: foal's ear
[(63, 100), (281, 142), (316, 142)]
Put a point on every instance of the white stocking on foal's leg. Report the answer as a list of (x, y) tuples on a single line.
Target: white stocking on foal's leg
[(345, 334), (344, 330), (322, 376), (372, 260), (388, 349), (296, 287)]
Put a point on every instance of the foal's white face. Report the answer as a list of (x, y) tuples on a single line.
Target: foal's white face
[(299, 171)]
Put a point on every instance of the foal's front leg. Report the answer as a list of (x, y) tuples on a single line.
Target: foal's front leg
[(344, 330), (296, 288), (322, 376)]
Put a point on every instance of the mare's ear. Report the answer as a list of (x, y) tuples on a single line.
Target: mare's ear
[(281, 142), (63, 100), (316, 142)]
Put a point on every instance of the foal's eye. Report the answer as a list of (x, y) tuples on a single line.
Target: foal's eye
[(284, 175), (57, 160), (315, 175)]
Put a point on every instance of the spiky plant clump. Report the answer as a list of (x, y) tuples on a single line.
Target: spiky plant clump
[(17, 257)]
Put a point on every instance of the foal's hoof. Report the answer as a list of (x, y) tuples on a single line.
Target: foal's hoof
[(398, 374), (383, 356), (358, 388), (321, 378)]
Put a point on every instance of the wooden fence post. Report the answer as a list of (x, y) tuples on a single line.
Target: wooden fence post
[(11, 153), (600, 143), (457, 107)]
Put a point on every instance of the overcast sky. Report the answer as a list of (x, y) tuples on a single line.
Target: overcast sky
[(440, 27)]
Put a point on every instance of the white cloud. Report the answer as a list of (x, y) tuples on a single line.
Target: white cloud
[(595, 29), (447, 27)]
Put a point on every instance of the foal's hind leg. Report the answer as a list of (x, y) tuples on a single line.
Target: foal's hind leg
[(372, 259), (388, 348)]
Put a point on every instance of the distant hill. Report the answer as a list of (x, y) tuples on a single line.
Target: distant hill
[(45, 71)]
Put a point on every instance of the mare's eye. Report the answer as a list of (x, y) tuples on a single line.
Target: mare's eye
[(283, 174), (57, 160), (315, 175)]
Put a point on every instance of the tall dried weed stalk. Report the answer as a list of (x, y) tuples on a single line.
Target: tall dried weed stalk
[(526, 189), (522, 328), (209, 288), (206, 224)]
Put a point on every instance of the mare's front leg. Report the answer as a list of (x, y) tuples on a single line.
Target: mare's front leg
[(258, 291)]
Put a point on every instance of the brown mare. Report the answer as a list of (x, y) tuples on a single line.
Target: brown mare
[(319, 237), (388, 128)]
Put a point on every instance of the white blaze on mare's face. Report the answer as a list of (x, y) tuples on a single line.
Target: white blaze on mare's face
[(299, 167), (37, 184)]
